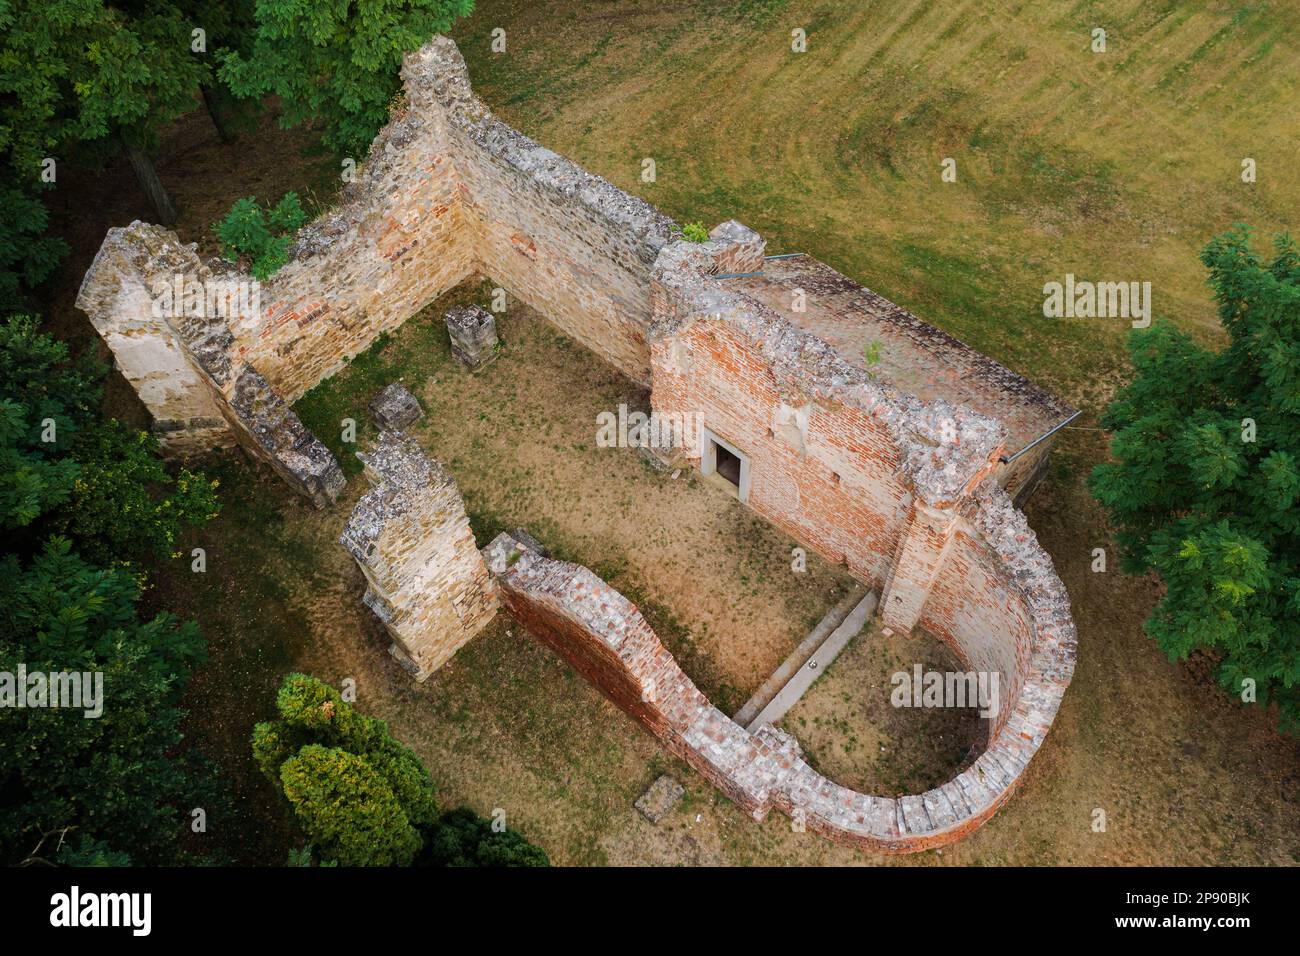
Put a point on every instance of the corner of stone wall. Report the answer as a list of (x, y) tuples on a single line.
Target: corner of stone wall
[(118, 295), (184, 363), (426, 580)]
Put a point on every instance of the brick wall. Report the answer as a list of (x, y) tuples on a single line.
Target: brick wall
[(831, 481), (603, 636), (840, 461)]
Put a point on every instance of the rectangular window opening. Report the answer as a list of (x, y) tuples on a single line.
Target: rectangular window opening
[(721, 458), (728, 465)]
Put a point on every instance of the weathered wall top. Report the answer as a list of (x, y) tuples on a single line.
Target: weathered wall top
[(436, 73), (947, 449)]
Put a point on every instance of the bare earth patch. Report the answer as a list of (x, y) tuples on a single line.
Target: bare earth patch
[(850, 731)]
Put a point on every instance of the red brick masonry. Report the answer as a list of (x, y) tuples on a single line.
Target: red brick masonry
[(604, 637)]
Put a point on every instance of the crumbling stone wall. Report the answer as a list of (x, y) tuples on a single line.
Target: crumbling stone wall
[(841, 462), (902, 491), (187, 368), (606, 639), (411, 537), (571, 245), (399, 240), (118, 295)]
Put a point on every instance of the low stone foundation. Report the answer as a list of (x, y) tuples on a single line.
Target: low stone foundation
[(604, 637)]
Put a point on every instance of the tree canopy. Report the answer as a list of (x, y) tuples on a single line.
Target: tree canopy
[(337, 63), (1206, 475), (82, 502)]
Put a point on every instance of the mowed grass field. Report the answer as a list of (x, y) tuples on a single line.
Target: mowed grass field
[(1114, 166)]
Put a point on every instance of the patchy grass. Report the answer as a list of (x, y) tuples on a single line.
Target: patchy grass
[(851, 732)]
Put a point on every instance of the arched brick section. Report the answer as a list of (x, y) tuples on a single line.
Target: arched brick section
[(605, 638)]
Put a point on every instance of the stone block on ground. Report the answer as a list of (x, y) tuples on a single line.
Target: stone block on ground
[(394, 408), (664, 794), (473, 332)]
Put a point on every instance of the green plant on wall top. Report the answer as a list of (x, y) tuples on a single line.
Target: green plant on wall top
[(260, 236), (695, 232)]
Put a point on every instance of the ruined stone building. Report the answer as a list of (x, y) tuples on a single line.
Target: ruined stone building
[(868, 436)]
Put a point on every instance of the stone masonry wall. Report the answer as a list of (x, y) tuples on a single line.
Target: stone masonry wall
[(568, 243), (399, 240), (902, 491), (186, 367), (603, 636), (117, 294), (411, 537), (841, 462)]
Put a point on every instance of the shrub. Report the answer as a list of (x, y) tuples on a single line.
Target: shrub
[(357, 793), (361, 797), (260, 236), (463, 838), (695, 232)]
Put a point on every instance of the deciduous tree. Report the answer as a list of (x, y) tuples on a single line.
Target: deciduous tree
[(336, 63), (1205, 481)]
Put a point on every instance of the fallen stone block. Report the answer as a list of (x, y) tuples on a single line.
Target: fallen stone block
[(664, 794), (394, 408)]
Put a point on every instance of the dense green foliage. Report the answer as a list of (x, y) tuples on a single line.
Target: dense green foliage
[(118, 776), (75, 490), (87, 75), (463, 838), (336, 63), (260, 236), (357, 793), (64, 471), (361, 797), (87, 78), (1206, 478)]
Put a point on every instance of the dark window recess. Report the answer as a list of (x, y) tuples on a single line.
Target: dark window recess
[(728, 465)]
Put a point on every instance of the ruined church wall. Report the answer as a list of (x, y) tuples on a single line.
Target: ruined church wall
[(117, 294), (447, 192), (399, 241), (605, 638), (410, 535), (825, 473), (974, 608), (186, 367), (568, 243)]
